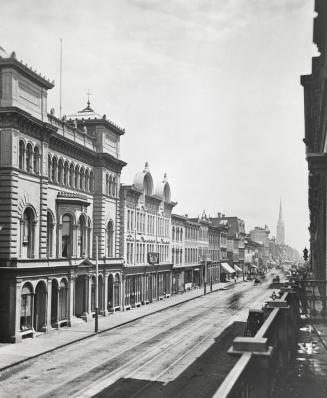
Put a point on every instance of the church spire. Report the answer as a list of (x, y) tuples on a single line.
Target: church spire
[(280, 233)]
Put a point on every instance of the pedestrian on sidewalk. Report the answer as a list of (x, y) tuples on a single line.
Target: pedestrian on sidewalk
[(235, 278)]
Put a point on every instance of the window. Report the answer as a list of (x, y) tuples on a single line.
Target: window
[(54, 170), (28, 233), (72, 176), (110, 239), (50, 226), (87, 180), (60, 172), (26, 308), (36, 160), (66, 240), (91, 181), (66, 182), (21, 154), (82, 236), (29, 157)]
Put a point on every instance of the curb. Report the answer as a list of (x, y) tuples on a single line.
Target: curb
[(111, 328)]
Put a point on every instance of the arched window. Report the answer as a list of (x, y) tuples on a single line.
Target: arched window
[(36, 160), (72, 176), (114, 187), (60, 171), (54, 177), (29, 158), (87, 180), (66, 238), (107, 184), (63, 302), (21, 155), (49, 168), (110, 185), (82, 236), (91, 182), (28, 233), (66, 171), (50, 226), (173, 234), (110, 238), (82, 183), (26, 306), (77, 178)]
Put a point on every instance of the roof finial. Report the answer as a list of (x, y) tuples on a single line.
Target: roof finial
[(146, 166), (88, 98), (165, 177)]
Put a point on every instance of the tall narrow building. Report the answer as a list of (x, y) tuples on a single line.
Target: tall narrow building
[(280, 233)]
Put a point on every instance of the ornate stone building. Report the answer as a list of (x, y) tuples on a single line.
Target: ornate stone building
[(59, 188), (146, 228)]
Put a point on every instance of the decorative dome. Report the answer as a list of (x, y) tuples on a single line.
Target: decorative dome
[(143, 180), (163, 189)]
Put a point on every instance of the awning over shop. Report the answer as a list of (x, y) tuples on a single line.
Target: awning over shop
[(237, 268), (227, 268)]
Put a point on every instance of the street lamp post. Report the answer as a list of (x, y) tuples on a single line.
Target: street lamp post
[(96, 326)]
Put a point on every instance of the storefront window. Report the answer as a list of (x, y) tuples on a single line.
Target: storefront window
[(26, 308)]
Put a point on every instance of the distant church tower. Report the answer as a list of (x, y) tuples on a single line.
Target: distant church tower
[(280, 234)]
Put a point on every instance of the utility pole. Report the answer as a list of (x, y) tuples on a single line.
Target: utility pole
[(205, 278), (96, 287)]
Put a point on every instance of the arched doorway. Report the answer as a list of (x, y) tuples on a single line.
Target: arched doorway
[(54, 303), (116, 301), (93, 294), (63, 300), (110, 292), (80, 295), (26, 308), (40, 301), (100, 294)]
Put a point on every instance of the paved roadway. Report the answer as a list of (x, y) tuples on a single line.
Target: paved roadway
[(170, 353)]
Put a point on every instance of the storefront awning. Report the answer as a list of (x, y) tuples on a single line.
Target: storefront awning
[(227, 268), (237, 268)]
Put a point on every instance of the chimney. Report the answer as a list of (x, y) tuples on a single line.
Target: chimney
[(219, 214)]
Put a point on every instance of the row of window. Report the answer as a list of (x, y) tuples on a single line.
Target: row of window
[(177, 234), (145, 223), (191, 256), (29, 158), (65, 246), (111, 185), (191, 233), (70, 175), (177, 256), (136, 253)]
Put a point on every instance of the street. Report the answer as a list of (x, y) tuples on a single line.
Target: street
[(165, 354)]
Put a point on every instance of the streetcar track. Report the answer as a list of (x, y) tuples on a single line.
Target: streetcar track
[(103, 382), (113, 365)]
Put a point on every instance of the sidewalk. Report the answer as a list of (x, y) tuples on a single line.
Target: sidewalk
[(13, 354)]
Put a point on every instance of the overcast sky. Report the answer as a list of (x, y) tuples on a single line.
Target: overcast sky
[(208, 91)]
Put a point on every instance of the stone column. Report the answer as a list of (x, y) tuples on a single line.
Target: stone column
[(14, 315), (105, 298), (49, 297), (74, 251), (71, 298)]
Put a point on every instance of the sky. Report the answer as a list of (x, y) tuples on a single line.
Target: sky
[(208, 92)]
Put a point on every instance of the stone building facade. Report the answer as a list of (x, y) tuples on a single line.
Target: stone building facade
[(315, 112), (59, 188), (145, 229)]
